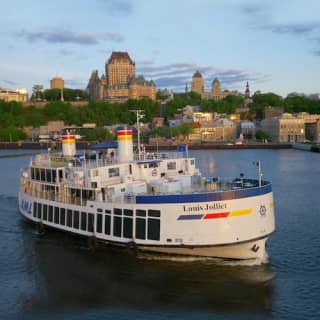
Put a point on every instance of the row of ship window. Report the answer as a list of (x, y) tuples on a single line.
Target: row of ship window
[(46, 174), (145, 224)]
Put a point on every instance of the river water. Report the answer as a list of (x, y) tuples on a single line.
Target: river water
[(59, 277)]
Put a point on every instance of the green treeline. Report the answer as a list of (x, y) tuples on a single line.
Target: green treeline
[(14, 116)]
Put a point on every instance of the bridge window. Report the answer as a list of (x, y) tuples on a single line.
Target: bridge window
[(114, 172), (171, 165)]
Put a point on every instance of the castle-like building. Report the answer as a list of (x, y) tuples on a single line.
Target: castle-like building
[(120, 82), (216, 93)]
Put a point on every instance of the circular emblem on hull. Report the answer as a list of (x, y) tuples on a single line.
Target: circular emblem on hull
[(263, 210)]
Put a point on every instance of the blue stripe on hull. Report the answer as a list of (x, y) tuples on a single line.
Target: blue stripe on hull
[(191, 217), (206, 196)]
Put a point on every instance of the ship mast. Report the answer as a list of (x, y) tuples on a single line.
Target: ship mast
[(139, 115)]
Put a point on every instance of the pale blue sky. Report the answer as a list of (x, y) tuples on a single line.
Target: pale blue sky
[(275, 45)]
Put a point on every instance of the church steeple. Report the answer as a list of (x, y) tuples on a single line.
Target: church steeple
[(247, 92)]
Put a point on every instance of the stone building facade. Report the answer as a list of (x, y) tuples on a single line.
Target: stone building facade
[(7, 95), (120, 82), (286, 128), (197, 85)]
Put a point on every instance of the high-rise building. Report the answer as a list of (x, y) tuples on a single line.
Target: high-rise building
[(120, 68), (57, 83), (120, 82)]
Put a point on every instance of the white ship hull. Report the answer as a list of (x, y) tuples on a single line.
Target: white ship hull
[(231, 229)]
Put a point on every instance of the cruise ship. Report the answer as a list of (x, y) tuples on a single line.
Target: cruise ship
[(152, 202)]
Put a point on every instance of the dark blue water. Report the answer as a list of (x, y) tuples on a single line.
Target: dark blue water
[(59, 277)]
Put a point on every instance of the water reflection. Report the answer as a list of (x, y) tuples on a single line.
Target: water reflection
[(69, 276)]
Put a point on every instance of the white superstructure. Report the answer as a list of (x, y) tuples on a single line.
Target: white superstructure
[(153, 202)]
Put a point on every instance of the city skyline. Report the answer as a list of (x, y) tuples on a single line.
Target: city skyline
[(274, 46)]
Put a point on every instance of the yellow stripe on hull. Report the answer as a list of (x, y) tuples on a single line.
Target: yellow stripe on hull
[(238, 213)]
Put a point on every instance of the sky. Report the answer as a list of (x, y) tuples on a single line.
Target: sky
[(274, 45)]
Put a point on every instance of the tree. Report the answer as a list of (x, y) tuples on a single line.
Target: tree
[(262, 136)]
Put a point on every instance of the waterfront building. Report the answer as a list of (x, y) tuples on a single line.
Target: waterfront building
[(19, 95), (120, 82), (57, 83), (313, 131), (287, 128)]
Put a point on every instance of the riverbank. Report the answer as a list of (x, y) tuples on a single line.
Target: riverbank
[(85, 144)]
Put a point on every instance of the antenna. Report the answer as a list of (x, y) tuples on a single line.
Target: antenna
[(139, 115)]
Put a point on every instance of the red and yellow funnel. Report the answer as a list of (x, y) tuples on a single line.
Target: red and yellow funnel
[(125, 146)]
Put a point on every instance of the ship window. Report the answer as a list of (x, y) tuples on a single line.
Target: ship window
[(99, 210), (153, 213), (107, 211), (63, 216), (39, 210), (171, 165), (90, 222), (60, 172), (117, 226), (114, 172), (83, 221), (117, 211), (127, 227), (69, 218), (76, 219), (140, 228), (140, 213), (49, 175), (43, 174), (192, 162), (99, 223), (35, 209), (128, 212), (54, 176), (45, 212), (56, 215), (37, 173), (50, 213), (153, 229), (107, 224), (32, 173)]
